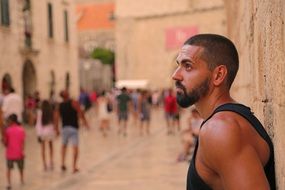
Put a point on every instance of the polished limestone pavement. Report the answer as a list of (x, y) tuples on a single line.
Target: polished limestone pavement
[(145, 162)]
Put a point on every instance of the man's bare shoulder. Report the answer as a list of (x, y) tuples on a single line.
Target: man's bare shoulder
[(227, 152), (222, 124), (220, 138)]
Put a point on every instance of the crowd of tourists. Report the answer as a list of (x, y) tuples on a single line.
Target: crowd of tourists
[(52, 118)]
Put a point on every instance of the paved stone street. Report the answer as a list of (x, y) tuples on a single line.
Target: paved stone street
[(116, 162)]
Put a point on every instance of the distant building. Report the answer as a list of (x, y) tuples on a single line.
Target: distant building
[(150, 32), (38, 46), (95, 25)]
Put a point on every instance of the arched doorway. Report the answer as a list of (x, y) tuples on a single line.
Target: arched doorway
[(6, 82), (29, 79)]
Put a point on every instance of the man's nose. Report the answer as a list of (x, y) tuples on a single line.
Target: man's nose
[(177, 75)]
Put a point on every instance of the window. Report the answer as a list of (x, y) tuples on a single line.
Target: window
[(66, 34), (67, 81), (27, 23), (4, 10), (50, 20)]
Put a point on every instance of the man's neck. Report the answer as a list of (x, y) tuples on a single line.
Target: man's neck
[(208, 104)]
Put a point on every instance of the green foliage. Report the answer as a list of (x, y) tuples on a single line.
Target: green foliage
[(104, 55)]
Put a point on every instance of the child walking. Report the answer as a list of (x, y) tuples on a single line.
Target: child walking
[(14, 143)]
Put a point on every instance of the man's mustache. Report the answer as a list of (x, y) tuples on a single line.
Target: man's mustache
[(179, 85)]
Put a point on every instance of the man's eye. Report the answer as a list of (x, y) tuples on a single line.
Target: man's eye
[(187, 66)]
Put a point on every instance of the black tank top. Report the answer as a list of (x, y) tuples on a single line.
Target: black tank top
[(195, 182), (68, 115)]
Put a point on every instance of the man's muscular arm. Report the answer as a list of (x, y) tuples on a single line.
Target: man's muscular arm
[(232, 158)]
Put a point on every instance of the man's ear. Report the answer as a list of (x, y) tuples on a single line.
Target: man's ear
[(220, 75)]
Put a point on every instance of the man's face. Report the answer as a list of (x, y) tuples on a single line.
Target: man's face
[(191, 76)]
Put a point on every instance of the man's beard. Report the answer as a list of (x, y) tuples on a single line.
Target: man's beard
[(186, 99)]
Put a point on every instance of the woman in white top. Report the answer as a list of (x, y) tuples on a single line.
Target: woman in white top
[(103, 112), (46, 130)]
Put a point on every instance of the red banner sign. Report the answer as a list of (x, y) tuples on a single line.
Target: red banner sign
[(175, 37)]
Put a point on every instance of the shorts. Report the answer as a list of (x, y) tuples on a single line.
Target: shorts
[(169, 115), (145, 117), (47, 133), (70, 134), (20, 163), (123, 115)]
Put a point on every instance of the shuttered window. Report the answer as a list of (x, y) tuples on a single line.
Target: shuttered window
[(50, 20), (4, 10), (66, 32)]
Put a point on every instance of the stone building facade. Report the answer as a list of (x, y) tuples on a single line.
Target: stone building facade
[(96, 29), (148, 38), (257, 28), (38, 46)]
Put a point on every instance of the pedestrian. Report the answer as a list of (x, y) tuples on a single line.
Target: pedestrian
[(103, 106), (123, 106), (69, 112), (233, 149), (12, 104), (144, 107), (93, 97), (14, 143), (47, 130), (134, 102), (170, 109), (155, 98), (30, 107), (189, 135), (176, 117), (37, 99), (2, 129), (84, 100), (194, 121)]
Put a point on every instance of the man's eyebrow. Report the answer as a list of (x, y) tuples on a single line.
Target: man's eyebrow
[(186, 60)]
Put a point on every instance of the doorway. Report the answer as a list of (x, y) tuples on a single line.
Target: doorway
[(29, 79), (6, 82)]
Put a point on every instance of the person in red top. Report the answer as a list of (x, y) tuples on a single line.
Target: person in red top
[(14, 143), (30, 106), (93, 97), (170, 108)]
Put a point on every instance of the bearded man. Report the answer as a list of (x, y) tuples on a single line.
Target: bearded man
[(233, 151)]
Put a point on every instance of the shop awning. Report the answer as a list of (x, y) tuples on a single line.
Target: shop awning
[(132, 84)]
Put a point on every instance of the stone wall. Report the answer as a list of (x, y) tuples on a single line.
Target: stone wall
[(257, 27), (92, 1), (145, 8)]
